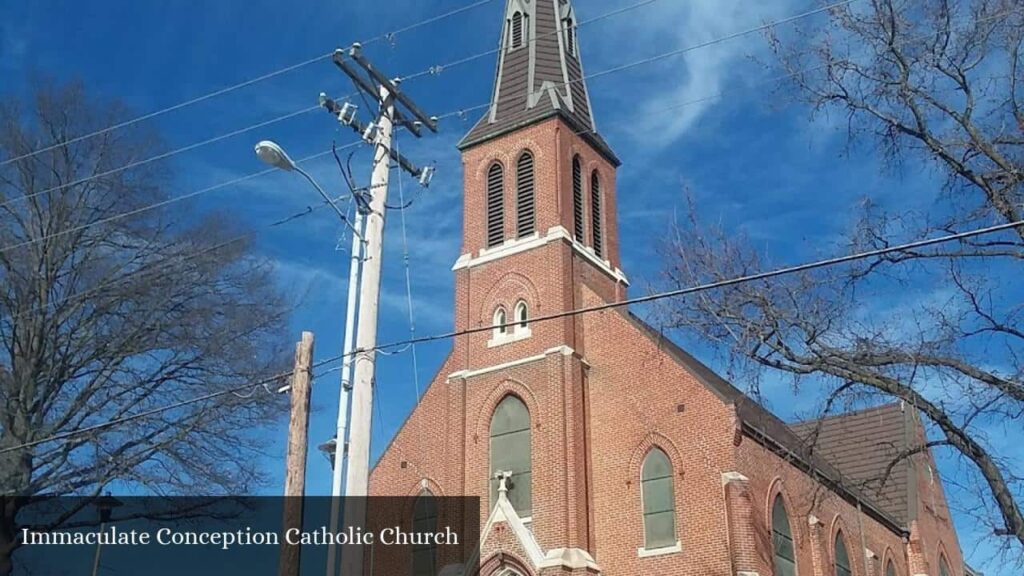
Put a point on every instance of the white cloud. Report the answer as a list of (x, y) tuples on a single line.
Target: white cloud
[(699, 74)]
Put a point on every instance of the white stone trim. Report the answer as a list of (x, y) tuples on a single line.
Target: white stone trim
[(569, 558), (563, 350), (649, 552), (813, 520), (729, 477), (747, 573), (500, 339), (504, 512), (870, 554), (535, 240)]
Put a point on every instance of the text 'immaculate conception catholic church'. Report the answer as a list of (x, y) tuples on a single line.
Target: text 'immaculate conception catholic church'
[(595, 445)]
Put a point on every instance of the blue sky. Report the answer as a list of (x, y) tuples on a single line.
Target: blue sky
[(752, 159)]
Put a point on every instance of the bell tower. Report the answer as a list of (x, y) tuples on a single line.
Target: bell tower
[(540, 237), (539, 208)]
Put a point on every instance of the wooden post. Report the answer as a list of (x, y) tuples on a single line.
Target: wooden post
[(298, 441)]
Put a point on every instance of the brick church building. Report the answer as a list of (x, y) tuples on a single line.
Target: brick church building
[(595, 445)]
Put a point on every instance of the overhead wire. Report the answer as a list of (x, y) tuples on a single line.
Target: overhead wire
[(164, 262), (161, 409), (163, 203), (408, 281), (161, 156), (240, 85), (671, 53), (615, 69), (657, 296), (808, 266), (261, 124), (439, 68)]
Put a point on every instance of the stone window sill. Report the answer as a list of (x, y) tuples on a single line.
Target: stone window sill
[(514, 336), (649, 552)]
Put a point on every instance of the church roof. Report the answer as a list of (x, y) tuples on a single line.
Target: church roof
[(862, 444), (539, 75)]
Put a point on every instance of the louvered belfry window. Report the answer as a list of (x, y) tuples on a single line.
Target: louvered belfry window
[(595, 213), (526, 217), (495, 205), (570, 37), (517, 30), (577, 199)]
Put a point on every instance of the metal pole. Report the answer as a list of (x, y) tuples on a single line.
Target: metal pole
[(346, 385), (99, 548), (357, 477)]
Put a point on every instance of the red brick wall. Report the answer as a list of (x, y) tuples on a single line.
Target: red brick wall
[(770, 475), (933, 534), (634, 390), (598, 410)]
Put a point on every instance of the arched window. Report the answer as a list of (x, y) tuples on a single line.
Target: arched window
[(842, 558), (510, 453), (570, 36), (525, 212), (495, 205), (424, 521), (577, 199), (522, 315), (890, 568), (500, 319), (517, 30), (659, 501), (782, 540), (595, 212), (944, 567)]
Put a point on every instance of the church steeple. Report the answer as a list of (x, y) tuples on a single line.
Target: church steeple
[(539, 75)]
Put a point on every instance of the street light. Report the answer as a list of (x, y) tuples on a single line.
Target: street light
[(273, 155)]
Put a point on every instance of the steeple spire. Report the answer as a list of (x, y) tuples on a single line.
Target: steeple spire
[(539, 74)]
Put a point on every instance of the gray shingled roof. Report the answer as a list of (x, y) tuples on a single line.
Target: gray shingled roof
[(862, 444), (540, 78)]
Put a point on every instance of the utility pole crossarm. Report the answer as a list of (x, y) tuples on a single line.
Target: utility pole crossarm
[(364, 85), (357, 54), (335, 109)]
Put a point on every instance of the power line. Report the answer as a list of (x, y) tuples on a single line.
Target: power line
[(676, 52), (579, 311), (163, 261), (163, 156), (439, 68), (721, 283), (233, 133), (408, 282), (465, 110), (243, 84), (159, 410), (162, 203)]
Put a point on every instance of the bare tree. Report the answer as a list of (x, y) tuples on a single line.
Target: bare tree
[(934, 84), (104, 315)]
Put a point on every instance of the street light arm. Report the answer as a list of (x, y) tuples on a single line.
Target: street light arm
[(330, 201)]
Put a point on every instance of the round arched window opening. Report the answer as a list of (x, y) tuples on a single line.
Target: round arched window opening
[(500, 322), (522, 315)]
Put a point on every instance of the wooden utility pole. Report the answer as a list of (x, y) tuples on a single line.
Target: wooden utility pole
[(298, 441)]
